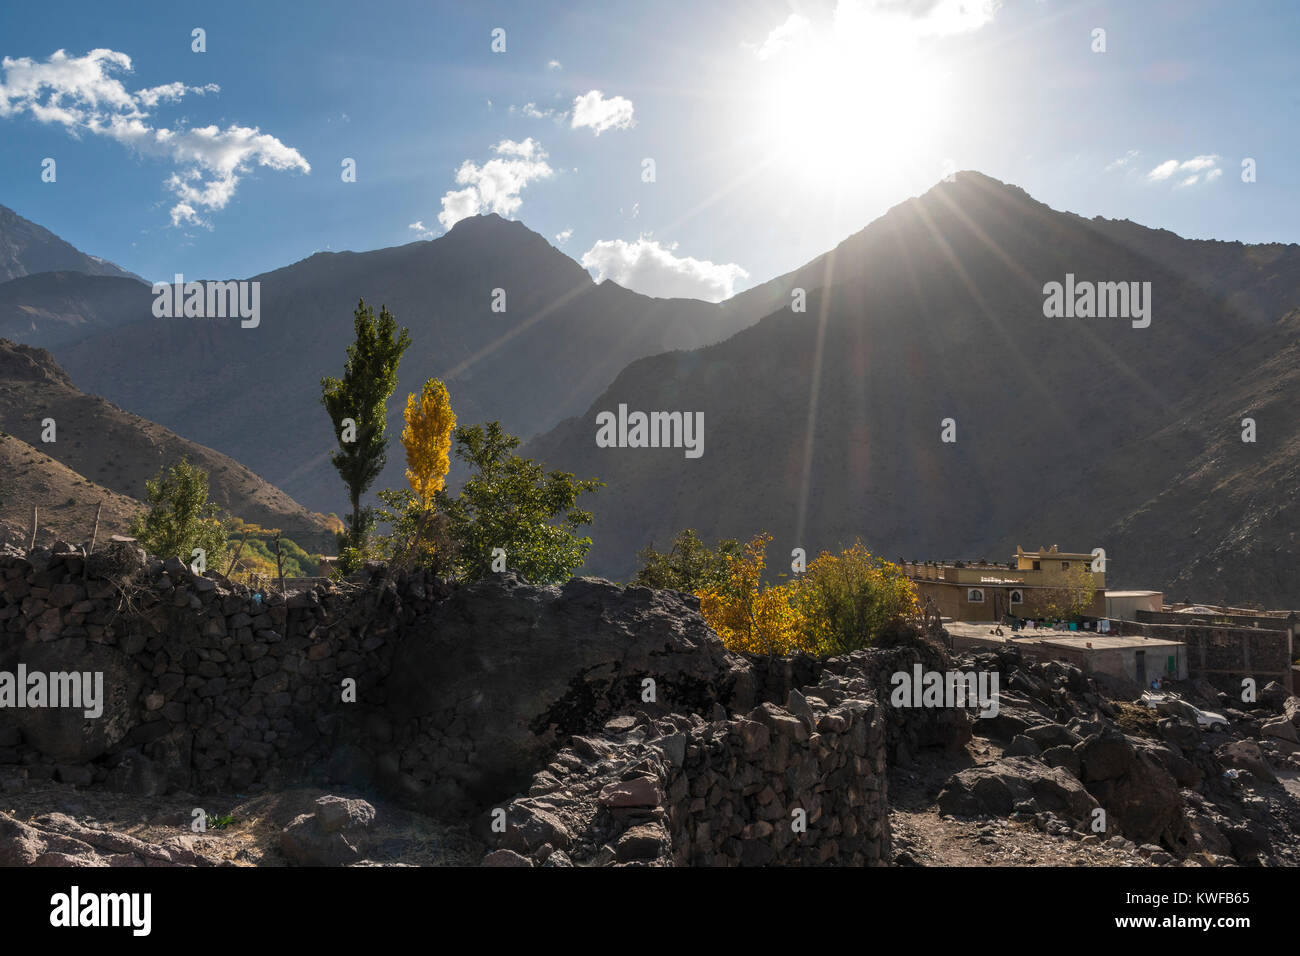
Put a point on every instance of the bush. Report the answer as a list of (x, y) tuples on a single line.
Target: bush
[(418, 536), (846, 599), (840, 604), (688, 565), (180, 516)]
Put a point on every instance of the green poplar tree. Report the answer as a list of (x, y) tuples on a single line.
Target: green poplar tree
[(361, 395)]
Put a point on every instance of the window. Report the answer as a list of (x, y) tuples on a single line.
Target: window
[(975, 596), (1038, 565), (1017, 597), (1065, 565)]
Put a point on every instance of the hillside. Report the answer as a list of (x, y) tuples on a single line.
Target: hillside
[(560, 341), (824, 427), (120, 451), (67, 501), (26, 248), (52, 308)]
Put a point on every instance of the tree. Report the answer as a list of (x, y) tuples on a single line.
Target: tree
[(1072, 597), (180, 517), (361, 396), (753, 617), (846, 599), (508, 510), (417, 534), (427, 440), (689, 565)]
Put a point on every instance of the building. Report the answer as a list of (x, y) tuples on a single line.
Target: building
[(1023, 587), (1137, 659), (1125, 605)]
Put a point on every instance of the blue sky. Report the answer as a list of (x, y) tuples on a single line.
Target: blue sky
[(776, 128)]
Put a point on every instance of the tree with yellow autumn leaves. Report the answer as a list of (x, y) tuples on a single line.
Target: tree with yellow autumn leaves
[(841, 603), (418, 532)]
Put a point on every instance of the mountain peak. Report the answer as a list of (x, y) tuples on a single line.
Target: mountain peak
[(27, 248)]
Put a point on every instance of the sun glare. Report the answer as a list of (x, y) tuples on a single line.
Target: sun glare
[(834, 105)]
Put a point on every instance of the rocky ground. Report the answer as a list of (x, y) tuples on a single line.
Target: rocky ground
[(60, 825)]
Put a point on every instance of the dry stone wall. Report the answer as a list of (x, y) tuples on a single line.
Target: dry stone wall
[(609, 725)]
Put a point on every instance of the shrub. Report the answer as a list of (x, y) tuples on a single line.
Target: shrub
[(846, 599), (688, 565), (180, 516)]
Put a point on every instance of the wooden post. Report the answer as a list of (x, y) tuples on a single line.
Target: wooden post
[(94, 534), (32, 543), (238, 551), (279, 561)]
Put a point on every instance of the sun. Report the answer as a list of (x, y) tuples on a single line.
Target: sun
[(837, 105)]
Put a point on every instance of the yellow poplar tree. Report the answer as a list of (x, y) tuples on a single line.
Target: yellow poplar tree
[(427, 440)]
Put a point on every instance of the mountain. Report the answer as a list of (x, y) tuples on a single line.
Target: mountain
[(825, 426), (26, 248), (254, 393), (111, 449), (49, 309)]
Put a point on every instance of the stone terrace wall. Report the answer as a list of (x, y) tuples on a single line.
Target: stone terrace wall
[(799, 785), (209, 687)]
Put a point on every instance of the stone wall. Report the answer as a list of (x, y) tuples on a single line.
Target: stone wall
[(798, 785), (613, 716)]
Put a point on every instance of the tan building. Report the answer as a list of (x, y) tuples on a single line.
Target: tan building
[(1124, 605), (1024, 587)]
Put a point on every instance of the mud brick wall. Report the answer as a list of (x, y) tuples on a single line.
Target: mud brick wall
[(1224, 655)]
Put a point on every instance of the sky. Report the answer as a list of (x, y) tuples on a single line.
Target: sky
[(680, 148)]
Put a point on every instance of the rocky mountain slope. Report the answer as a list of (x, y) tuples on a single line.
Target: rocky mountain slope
[(26, 248), (103, 448), (825, 426), (561, 339), (53, 308)]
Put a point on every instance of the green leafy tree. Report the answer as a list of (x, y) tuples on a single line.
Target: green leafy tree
[(361, 396), (180, 517), (512, 504), (689, 565)]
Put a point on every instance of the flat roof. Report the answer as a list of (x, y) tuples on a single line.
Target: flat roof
[(1135, 593), (1100, 642)]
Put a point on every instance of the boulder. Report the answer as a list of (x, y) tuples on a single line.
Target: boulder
[(1000, 788), (336, 834)]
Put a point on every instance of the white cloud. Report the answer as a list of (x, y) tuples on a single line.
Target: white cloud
[(563, 236), (84, 95), (919, 18), (592, 109), (1194, 166), (868, 24), (554, 65), (495, 186), (647, 267), (782, 36), (418, 228), (533, 111), (1124, 160)]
